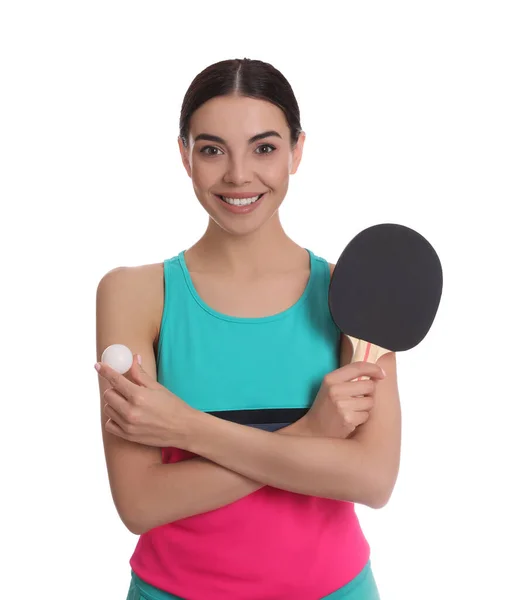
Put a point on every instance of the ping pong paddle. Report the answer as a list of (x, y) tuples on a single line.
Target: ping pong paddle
[(385, 290)]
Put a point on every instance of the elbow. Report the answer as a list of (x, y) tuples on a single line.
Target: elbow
[(133, 519), (128, 516), (133, 525), (139, 524), (379, 491), (378, 500), (368, 493), (381, 483), (137, 530)]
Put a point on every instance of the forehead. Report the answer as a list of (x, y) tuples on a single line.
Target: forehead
[(237, 117)]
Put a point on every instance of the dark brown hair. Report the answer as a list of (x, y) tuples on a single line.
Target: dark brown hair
[(244, 77)]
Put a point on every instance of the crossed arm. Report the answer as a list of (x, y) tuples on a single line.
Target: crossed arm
[(361, 469), (235, 460)]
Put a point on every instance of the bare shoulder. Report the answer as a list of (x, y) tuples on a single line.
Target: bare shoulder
[(142, 289)]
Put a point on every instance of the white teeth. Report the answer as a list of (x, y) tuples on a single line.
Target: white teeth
[(241, 201)]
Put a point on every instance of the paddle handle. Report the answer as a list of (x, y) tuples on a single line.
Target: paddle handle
[(366, 352)]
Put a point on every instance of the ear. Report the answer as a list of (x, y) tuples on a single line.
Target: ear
[(184, 153), (296, 154)]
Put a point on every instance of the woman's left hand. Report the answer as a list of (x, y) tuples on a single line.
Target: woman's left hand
[(143, 410)]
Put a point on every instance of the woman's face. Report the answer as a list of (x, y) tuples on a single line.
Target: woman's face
[(233, 164)]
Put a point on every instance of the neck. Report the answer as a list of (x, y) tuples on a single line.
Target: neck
[(268, 249)]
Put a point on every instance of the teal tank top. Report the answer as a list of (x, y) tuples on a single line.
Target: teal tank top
[(262, 372), (265, 373)]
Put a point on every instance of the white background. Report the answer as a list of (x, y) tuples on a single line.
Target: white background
[(405, 109)]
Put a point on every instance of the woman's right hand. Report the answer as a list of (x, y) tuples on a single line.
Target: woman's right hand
[(342, 404)]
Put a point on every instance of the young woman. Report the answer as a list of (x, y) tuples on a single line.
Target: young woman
[(267, 444)]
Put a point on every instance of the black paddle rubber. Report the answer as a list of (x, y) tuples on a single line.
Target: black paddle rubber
[(386, 287)]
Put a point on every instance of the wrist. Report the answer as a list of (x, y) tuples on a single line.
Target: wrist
[(192, 425)]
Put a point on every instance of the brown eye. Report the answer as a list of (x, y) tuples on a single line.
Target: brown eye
[(272, 148), (203, 150)]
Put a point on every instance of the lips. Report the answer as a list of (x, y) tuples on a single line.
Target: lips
[(242, 195), (238, 208), (222, 198)]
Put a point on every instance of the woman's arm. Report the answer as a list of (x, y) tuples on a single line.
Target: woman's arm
[(362, 468), (146, 492), (175, 491)]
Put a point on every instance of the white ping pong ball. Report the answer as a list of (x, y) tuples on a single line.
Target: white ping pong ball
[(118, 357)]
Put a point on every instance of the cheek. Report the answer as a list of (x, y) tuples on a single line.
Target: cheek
[(203, 173), (276, 170)]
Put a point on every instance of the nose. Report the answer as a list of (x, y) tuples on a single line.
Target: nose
[(238, 172)]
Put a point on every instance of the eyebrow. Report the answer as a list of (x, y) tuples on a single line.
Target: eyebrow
[(215, 138)]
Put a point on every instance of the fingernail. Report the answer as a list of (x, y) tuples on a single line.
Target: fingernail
[(139, 358), (384, 372), (97, 366)]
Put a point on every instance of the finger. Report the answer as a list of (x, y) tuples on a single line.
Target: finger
[(363, 378), (359, 418), (138, 375), (365, 387), (360, 369), (113, 428), (356, 404), (118, 382), (118, 403), (354, 418), (115, 416)]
